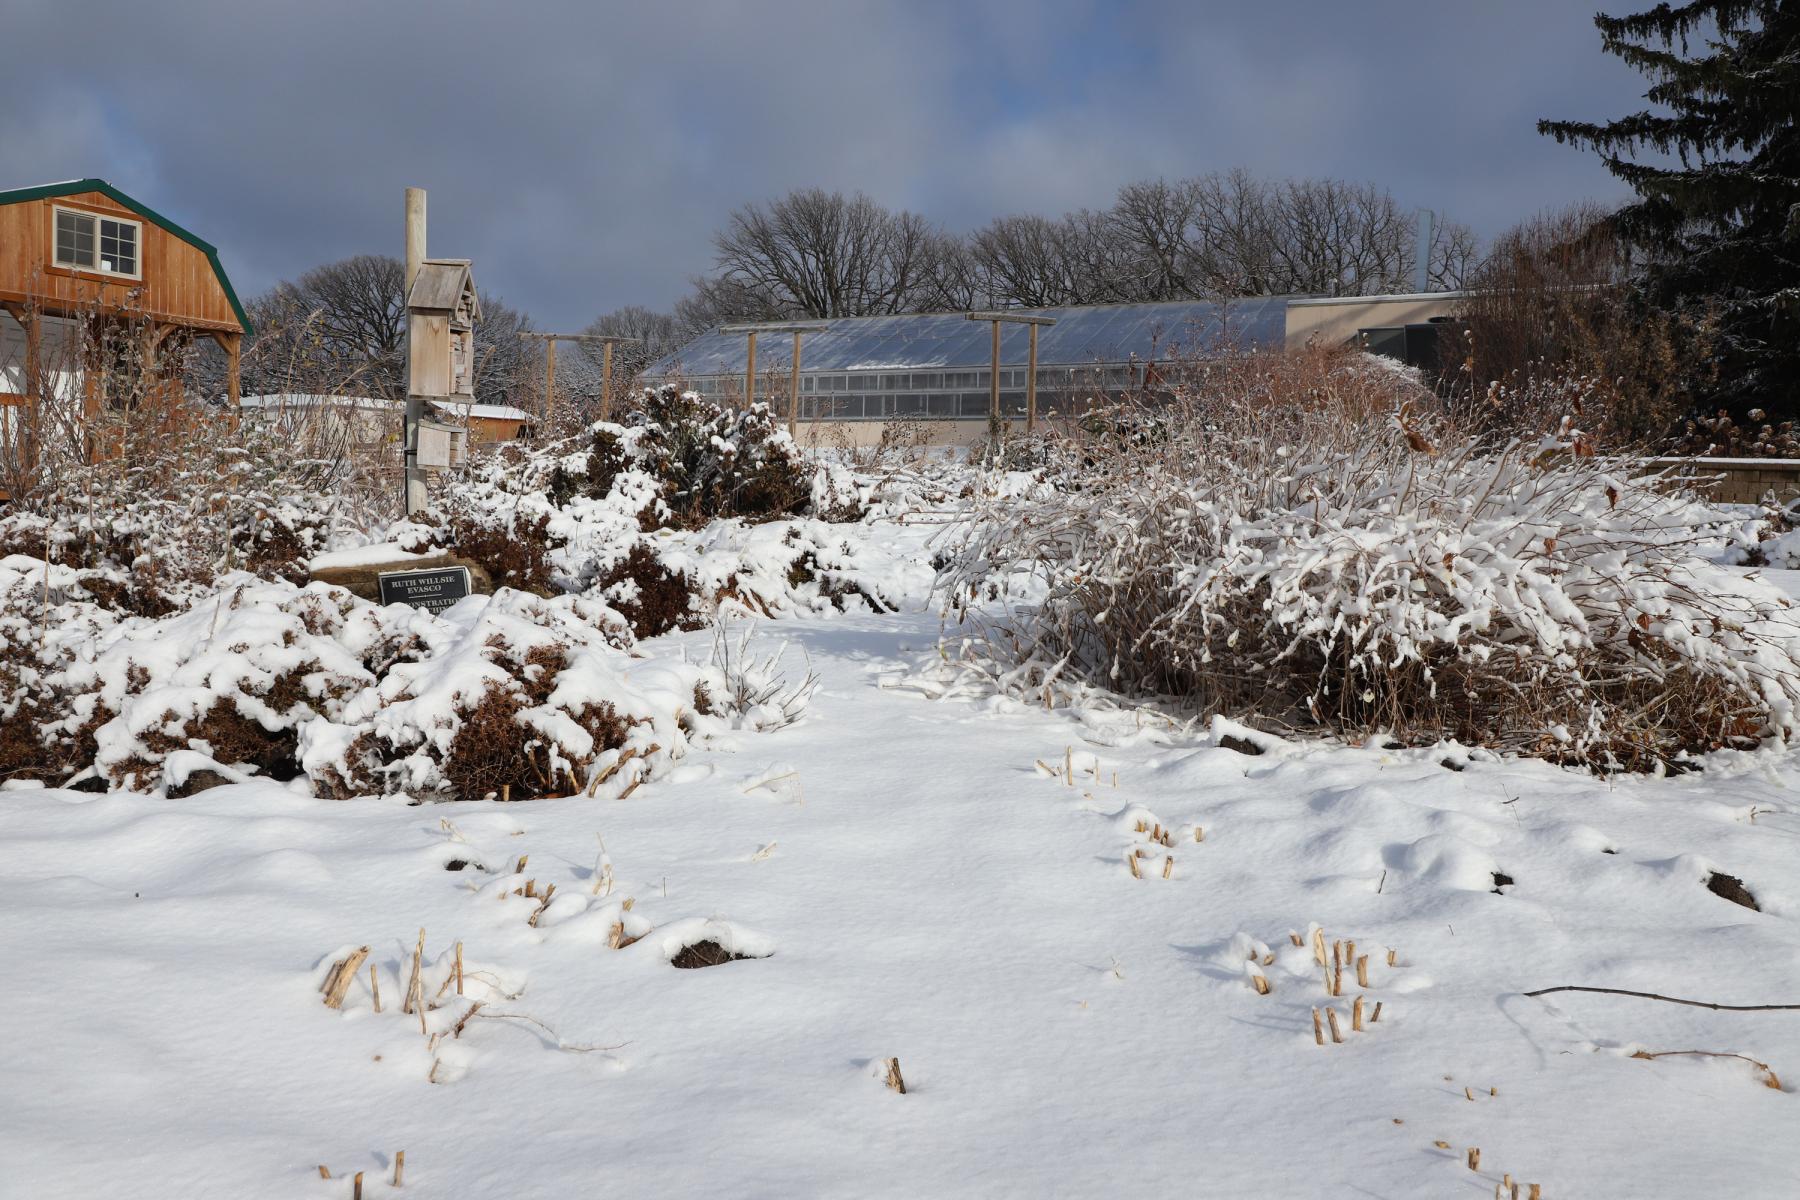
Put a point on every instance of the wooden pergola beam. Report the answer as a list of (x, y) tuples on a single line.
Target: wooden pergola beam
[(1032, 321), (607, 342), (798, 329)]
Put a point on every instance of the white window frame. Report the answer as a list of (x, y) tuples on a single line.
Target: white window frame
[(96, 217)]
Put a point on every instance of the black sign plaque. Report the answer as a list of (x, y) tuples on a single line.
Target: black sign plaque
[(433, 590)]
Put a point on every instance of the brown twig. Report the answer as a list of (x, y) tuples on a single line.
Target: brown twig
[(1773, 1080), (1669, 999)]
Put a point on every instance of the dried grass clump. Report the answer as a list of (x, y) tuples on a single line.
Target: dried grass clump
[(1311, 541)]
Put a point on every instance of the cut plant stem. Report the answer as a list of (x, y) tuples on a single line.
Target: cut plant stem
[(1168, 865), (1132, 861), (1318, 1030), (1392, 955), (343, 974), (459, 977), (1362, 970), (894, 1079), (413, 987), (324, 1171), (1356, 1015), (399, 1166), (1318, 944), (1376, 1015), (356, 1187), (1261, 984), (1337, 1035), (375, 987), (1474, 1158)]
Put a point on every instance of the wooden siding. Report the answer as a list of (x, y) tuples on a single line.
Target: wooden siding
[(178, 283)]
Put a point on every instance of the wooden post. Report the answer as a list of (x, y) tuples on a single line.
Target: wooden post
[(750, 372), (549, 381), (794, 327), (994, 379), (1031, 384), (794, 389), (606, 381), (34, 349), (414, 492), (234, 347)]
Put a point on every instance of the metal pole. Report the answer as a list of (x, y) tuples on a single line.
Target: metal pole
[(994, 378), (1031, 384), (413, 491), (794, 390), (750, 373)]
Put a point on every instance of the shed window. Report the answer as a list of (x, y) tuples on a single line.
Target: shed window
[(89, 242)]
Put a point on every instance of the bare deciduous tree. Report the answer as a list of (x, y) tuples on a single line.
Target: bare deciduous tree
[(341, 328), (824, 254), (657, 333)]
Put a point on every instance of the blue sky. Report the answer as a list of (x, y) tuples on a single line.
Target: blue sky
[(583, 153)]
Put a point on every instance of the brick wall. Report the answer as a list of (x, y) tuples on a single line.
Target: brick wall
[(1740, 480)]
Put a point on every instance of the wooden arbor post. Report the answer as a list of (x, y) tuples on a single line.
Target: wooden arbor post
[(29, 419), (607, 342), (798, 329), (233, 345), (1032, 320)]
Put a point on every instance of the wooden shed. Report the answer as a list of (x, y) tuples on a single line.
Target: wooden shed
[(85, 251), (95, 289)]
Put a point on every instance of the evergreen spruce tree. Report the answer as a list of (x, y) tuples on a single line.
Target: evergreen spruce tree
[(1718, 208)]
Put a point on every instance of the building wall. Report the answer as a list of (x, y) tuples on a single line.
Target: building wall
[(483, 430), (1739, 480), (177, 279), (57, 345), (1335, 321)]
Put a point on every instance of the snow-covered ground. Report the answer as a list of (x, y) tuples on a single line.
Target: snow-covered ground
[(938, 877)]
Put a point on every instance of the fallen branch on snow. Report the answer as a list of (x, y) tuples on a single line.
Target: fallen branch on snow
[(1669, 999)]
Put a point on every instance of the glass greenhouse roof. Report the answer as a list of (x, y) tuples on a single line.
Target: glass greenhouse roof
[(1107, 333)]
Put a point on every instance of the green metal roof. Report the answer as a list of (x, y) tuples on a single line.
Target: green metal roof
[(75, 186)]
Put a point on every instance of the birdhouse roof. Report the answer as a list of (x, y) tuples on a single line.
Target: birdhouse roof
[(442, 284)]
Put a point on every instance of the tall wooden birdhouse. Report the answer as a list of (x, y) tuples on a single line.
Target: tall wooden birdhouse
[(441, 313)]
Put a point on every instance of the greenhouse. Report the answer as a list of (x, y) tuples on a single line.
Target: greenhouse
[(938, 364)]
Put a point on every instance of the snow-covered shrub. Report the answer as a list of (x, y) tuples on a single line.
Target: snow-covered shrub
[(150, 532), (520, 702), (681, 508), (234, 677), (1310, 545), (514, 695)]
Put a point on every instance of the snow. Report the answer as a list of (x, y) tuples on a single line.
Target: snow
[(917, 868), (379, 553)]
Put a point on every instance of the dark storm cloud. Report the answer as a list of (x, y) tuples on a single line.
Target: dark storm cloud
[(582, 154)]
